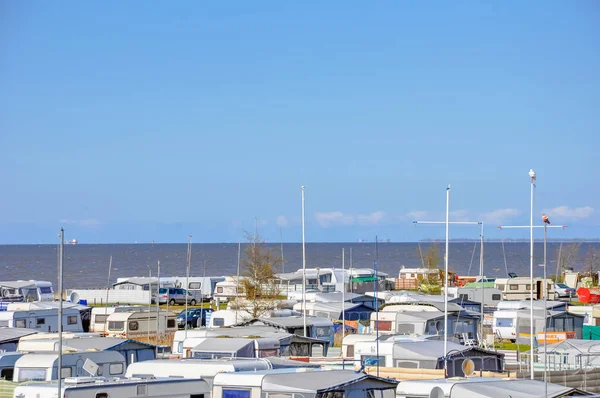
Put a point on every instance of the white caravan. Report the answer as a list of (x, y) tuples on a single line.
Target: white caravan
[(100, 387), (43, 320), (140, 323), (519, 288), (100, 315), (43, 367), (490, 297)]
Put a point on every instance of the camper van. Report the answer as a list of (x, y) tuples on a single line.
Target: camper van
[(490, 297), (228, 289), (30, 290), (519, 288), (7, 364), (43, 367), (139, 323), (101, 387), (43, 320)]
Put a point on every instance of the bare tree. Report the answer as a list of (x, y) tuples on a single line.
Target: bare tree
[(591, 261), (430, 284), (567, 255), (432, 260), (260, 264)]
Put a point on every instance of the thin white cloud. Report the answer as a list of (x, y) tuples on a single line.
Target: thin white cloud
[(371, 219), (565, 212), (418, 215), (327, 219), (459, 215), (282, 221), (498, 216)]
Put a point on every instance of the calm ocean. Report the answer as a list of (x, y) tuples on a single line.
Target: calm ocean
[(86, 266)]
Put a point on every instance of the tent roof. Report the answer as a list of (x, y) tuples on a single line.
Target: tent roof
[(12, 334)]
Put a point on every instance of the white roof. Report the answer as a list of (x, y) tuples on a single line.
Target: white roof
[(226, 345), (504, 388), (194, 368), (47, 360), (424, 387), (11, 334)]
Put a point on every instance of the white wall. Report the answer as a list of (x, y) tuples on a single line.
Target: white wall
[(98, 296)]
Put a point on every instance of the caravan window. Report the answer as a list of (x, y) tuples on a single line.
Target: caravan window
[(26, 374), (72, 320), (219, 321), (65, 372), (504, 322), (496, 297), (323, 331), (100, 318), (41, 321), (133, 325), (46, 290), (230, 393), (195, 285), (115, 368), (20, 323), (7, 374), (102, 395), (514, 287), (170, 323), (116, 325)]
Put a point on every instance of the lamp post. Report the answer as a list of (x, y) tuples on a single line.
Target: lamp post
[(303, 270), (61, 250)]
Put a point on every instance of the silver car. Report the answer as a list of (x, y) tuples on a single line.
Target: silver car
[(174, 296), (562, 290)]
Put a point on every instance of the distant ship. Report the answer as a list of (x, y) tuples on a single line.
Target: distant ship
[(71, 242)]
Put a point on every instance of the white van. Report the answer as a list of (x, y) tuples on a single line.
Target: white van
[(43, 320), (100, 387), (140, 323), (43, 367)]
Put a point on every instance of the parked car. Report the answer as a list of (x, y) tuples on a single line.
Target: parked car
[(562, 290), (174, 296), (195, 317)]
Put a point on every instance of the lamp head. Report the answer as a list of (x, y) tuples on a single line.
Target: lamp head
[(532, 173)]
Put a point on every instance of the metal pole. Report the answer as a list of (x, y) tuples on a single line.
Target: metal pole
[(532, 175), (343, 293), (157, 307), (446, 281), (237, 279), (350, 273), (303, 270), (107, 290), (60, 308), (149, 301), (187, 278), (482, 281), (376, 304), (281, 246), (545, 317)]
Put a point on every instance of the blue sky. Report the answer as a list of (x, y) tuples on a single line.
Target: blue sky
[(139, 121)]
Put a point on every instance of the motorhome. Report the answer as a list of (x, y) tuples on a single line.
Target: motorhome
[(101, 387), (302, 382), (7, 364), (519, 288), (43, 366), (29, 291), (201, 287), (131, 324), (43, 320)]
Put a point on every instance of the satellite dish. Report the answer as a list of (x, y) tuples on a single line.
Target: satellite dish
[(90, 367), (74, 298), (437, 392), (468, 367)]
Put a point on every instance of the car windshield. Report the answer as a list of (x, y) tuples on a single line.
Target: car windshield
[(562, 285)]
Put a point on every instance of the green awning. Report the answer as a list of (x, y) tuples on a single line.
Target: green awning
[(363, 279)]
